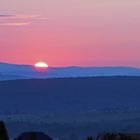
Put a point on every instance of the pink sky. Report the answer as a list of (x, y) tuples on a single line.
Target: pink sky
[(70, 32)]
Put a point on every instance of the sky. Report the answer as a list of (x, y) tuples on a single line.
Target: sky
[(70, 32)]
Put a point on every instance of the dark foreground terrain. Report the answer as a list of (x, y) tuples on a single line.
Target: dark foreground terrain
[(67, 106)]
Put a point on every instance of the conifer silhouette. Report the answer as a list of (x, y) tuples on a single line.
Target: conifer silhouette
[(90, 138), (3, 131)]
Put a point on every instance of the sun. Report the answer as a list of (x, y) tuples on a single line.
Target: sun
[(41, 65)]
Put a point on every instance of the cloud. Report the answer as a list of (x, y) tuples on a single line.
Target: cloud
[(5, 16), (15, 24), (21, 19), (37, 17), (24, 16)]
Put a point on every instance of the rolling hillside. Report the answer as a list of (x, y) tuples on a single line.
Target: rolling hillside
[(12, 72), (69, 94)]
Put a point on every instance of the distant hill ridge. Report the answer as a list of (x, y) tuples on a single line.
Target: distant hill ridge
[(70, 94), (14, 71)]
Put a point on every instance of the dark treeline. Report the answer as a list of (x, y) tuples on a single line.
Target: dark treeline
[(113, 136), (23, 136), (43, 136)]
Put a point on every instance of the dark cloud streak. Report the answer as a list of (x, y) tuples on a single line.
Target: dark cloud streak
[(3, 16)]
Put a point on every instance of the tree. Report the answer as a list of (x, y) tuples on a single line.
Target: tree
[(90, 138), (32, 136), (3, 131), (112, 136)]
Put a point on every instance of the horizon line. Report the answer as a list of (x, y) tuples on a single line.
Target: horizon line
[(78, 66)]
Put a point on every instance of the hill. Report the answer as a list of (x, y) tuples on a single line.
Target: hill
[(69, 94), (13, 71)]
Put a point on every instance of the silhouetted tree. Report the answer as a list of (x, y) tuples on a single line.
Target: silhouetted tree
[(111, 136), (3, 131), (90, 138), (32, 136)]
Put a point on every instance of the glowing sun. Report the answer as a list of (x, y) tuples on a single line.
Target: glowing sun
[(41, 65)]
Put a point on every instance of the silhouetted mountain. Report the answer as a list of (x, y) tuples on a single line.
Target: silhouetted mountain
[(12, 71), (69, 94)]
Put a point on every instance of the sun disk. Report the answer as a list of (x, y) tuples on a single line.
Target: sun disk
[(41, 65)]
